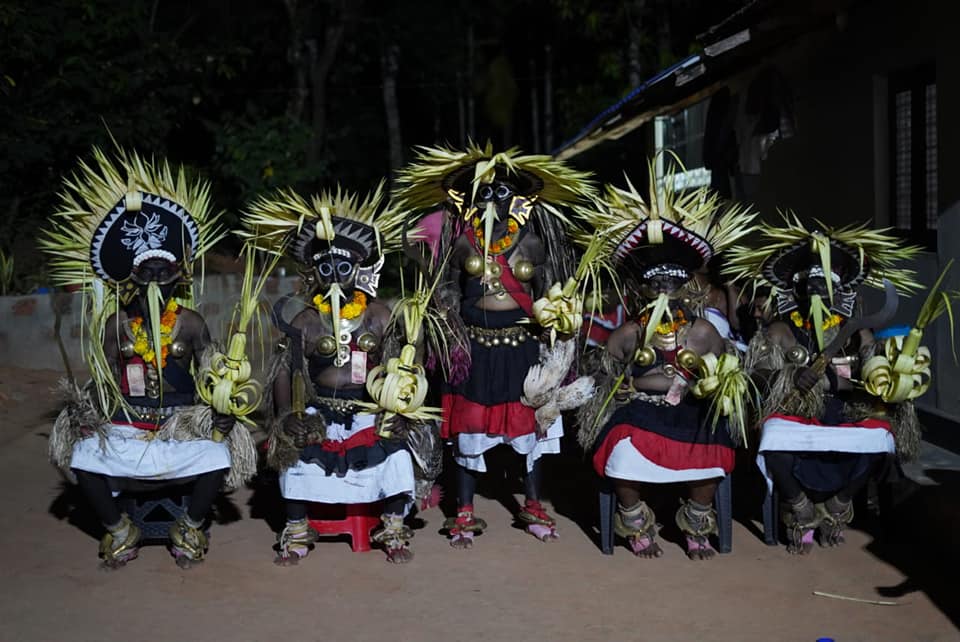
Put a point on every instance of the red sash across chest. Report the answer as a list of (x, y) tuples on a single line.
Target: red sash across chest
[(510, 282)]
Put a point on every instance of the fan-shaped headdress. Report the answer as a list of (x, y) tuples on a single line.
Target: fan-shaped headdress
[(845, 257), (676, 232), (330, 222), (442, 174), (116, 214)]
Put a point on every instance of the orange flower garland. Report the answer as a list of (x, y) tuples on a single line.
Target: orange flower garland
[(141, 341), (667, 327), (351, 310), (500, 245)]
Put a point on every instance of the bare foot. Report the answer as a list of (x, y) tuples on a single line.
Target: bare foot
[(801, 546), (543, 533), (185, 562), (399, 555), (538, 522), (462, 541), (288, 559), (831, 535), (699, 548), (644, 546), (462, 528), (116, 563), (294, 543)]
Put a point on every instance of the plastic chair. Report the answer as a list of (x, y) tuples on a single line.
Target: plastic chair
[(155, 512), (723, 502), (771, 518), (358, 522)]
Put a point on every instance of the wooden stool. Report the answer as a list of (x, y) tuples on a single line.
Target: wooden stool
[(358, 522)]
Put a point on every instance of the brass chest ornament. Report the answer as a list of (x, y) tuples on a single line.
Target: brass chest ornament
[(339, 347), (524, 270)]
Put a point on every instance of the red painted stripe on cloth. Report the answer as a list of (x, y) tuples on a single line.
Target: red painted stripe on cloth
[(511, 419), (141, 425), (676, 455)]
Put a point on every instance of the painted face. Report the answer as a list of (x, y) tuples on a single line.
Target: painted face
[(806, 289), (333, 267), (663, 279), (164, 273)]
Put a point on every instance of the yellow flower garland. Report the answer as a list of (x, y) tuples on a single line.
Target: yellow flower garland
[(800, 322), (351, 310), (666, 327), (141, 342)]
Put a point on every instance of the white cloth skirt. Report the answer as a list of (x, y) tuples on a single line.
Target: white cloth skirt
[(797, 434), (310, 482), (132, 453), (626, 462), (471, 446)]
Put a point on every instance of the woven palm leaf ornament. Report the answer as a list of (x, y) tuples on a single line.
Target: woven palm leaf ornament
[(226, 384), (902, 370), (400, 386), (113, 214)]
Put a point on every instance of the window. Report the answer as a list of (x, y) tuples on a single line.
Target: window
[(682, 133), (913, 154)]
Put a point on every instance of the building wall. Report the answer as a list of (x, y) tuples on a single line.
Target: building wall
[(828, 169), (835, 168)]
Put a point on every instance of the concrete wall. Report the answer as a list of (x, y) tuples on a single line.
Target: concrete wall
[(27, 322), (947, 369)]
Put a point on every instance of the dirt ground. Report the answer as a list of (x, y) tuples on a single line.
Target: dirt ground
[(508, 587)]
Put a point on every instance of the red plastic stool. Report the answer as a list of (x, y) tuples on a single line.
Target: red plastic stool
[(358, 522)]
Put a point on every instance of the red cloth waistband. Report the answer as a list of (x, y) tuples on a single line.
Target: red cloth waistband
[(363, 439)]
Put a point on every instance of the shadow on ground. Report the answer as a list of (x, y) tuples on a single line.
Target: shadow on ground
[(919, 540)]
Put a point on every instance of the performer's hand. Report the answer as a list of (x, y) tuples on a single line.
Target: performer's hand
[(223, 423), (806, 378), (393, 427), (296, 427)]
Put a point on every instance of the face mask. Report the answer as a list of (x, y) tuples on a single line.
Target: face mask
[(332, 268), (164, 275)]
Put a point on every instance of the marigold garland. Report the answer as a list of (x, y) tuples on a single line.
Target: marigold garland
[(667, 327), (352, 310), (798, 320), (500, 245), (141, 341)]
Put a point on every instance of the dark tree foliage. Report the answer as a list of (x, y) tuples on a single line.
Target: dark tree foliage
[(265, 94)]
